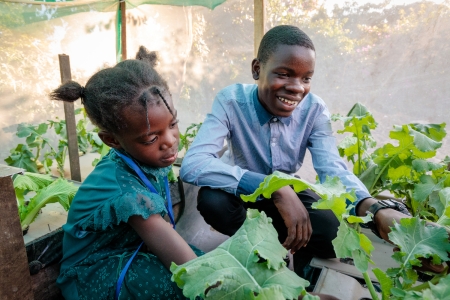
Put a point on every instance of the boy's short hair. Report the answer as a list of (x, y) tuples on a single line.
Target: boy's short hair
[(282, 35)]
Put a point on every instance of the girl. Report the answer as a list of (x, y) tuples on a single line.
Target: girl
[(122, 202)]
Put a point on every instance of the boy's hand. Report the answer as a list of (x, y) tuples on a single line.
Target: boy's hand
[(295, 216), (384, 219)]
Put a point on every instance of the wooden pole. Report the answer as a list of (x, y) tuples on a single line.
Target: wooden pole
[(259, 15), (123, 29), (15, 282), (71, 127)]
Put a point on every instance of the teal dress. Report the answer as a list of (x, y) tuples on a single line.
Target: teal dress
[(98, 240)]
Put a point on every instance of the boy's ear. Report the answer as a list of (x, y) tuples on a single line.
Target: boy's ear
[(256, 66), (109, 139)]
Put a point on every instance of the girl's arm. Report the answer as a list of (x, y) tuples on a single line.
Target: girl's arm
[(162, 240)]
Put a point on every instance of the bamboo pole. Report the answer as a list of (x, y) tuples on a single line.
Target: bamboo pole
[(71, 127), (123, 29), (259, 15)]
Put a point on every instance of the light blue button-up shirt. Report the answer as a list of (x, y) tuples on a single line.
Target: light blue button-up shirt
[(260, 143)]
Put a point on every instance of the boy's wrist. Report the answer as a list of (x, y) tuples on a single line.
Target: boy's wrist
[(363, 206)]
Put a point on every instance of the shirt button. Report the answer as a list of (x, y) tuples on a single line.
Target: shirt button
[(273, 144), (274, 120)]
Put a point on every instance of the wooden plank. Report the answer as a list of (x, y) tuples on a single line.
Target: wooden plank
[(123, 16), (16, 281), (44, 284), (74, 159), (259, 15)]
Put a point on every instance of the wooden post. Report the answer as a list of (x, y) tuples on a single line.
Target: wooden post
[(259, 15), (123, 16), (71, 127), (15, 282)]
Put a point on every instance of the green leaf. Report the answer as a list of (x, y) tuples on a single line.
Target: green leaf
[(385, 281), (361, 260), (332, 192), (415, 240), (59, 190), (22, 157), (355, 219), (444, 197), (247, 264), (346, 242), (27, 130), (426, 187), (435, 132), (422, 166), (31, 181), (441, 290), (365, 243)]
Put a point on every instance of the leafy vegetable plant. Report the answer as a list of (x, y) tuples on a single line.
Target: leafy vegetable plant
[(188, 136), (38, 153), (404, 170), (45, 189), (249, 265), (412, 236), (186, 139)]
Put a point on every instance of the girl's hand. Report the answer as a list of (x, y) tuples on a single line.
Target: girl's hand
[(295, 216), (162, 240)]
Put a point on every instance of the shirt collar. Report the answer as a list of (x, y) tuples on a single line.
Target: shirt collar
[(263, 115)]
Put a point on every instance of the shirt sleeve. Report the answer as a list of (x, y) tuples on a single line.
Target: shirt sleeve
[(202, 166), (326, 159)]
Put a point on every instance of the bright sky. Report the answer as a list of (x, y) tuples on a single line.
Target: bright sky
[(329, 4)]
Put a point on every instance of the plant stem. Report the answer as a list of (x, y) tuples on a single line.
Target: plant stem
[(425, 285), (370, 286)]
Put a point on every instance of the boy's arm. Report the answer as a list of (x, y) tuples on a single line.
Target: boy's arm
[(326, 159)]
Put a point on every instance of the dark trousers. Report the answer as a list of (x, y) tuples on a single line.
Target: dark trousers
[(226, 213)]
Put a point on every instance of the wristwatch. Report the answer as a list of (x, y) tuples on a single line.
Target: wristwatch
[(381, 204)]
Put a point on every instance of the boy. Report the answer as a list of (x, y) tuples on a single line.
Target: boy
[(268, 128)]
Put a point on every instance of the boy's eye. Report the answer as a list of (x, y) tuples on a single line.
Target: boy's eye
[(307, 80), (282, 74)]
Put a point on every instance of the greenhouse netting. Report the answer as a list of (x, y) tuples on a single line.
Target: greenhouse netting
[(391, 56)]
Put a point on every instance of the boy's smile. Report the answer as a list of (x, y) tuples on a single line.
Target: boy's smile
[(284, 79)]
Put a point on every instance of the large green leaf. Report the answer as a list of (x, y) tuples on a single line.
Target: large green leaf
[(333, 193), (31, 181), (415, 240), (249, 265), (60, 191)]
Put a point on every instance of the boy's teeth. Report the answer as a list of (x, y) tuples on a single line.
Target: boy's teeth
[(287, 101)]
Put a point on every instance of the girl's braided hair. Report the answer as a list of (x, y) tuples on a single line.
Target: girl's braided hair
[(109, 91)]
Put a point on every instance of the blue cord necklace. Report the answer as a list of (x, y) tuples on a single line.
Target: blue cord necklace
[(152, 189)]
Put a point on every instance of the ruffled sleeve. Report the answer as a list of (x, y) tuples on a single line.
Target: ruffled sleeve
[(113, 193), (121, 208)]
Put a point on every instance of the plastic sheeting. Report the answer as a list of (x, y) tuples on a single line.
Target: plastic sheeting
[(391, 56)]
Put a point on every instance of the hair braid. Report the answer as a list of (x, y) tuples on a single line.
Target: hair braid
[(157, 91)]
